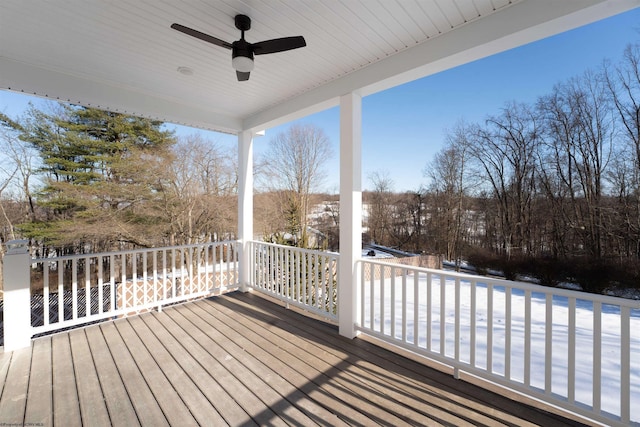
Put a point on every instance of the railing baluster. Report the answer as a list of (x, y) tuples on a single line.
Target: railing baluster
[(429, 310), (135, 286), (625, 364), (123, 280), (472, 326), (548, 345), (443, 314), (173, 273), (112, 280), (507, 333), (372, 293), (597, 357), (457, 303), (45, 293), (154, 266), (87, 286), (309, 279), (74, 289), (60, 291), (489, 366), (393, 299), (383, 276), (571, 356), (527, 338), (416, 308), (100, 284), (145, 278), (404, 304), (323, 283)]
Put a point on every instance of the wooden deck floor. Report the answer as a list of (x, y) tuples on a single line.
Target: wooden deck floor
[(235, 360)]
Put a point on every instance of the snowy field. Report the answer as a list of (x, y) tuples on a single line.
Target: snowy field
[(490, 344)]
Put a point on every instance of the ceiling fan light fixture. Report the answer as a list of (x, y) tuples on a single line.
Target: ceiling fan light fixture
[(242, 64)]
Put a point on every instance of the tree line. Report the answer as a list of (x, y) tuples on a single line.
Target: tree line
[(83, 180), (550, 188), (78, 180)]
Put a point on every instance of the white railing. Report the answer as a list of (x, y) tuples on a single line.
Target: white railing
[(300, 277), (77, 289), (576, 351)]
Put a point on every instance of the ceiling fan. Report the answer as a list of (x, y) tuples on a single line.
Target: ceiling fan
[(241, 50)]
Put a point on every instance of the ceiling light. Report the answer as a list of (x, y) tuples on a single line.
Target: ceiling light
[(242, 64)]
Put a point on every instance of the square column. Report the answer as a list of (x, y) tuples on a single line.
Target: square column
[(17, 296), (350, 212), (245, 207)]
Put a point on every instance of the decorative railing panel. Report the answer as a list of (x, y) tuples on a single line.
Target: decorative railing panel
[(574, 350), (78, 289), (301, 277)]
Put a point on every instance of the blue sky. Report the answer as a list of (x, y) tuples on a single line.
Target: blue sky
[(405, 126)]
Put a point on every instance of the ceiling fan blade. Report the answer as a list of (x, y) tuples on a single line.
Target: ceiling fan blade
[(278, 45), (202, 36), (242, 77)]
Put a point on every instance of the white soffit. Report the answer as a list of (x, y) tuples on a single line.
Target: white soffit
[(123, 56)]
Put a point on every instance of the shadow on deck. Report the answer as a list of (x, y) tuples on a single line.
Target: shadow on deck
[(237, 360)]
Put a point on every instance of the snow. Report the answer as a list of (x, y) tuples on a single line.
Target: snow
[(492, 346)]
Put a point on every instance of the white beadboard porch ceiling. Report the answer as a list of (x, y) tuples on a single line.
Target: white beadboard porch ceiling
[(122, 55)]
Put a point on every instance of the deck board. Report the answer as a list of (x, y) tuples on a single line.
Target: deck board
[(39, 405), (188, 378), (66, 406), (116, 399), (14, 391), (93, 408), (164, 393), (144, 402), (236, 360)]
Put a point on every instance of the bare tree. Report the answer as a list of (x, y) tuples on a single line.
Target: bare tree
[(623, 82), (450, 185), (504, 151), (580, 132), (199, 188), (380, 206), (294, 163)]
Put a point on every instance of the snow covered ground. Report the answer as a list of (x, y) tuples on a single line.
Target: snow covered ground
[(491, 346)]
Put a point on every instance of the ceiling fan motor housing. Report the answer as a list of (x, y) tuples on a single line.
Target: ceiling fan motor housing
[(243, 22)]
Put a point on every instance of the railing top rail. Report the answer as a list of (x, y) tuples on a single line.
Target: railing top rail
[(128, 251), (569, 293), (296, 249)]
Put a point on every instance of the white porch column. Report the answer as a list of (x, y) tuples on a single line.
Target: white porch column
[(245, 206), (350, 212), (17, 296)]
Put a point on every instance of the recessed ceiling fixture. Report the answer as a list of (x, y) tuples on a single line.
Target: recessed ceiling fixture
[(242, 51), (186, 71)]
